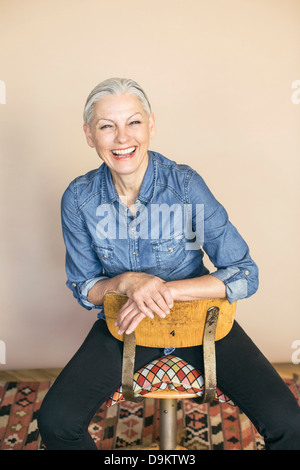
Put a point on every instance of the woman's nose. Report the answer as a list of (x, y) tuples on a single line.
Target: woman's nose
[(122, 135)]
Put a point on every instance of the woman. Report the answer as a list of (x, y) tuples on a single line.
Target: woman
[(136, 226)]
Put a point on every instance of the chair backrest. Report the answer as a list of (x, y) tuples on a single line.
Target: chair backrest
[(182, 327)]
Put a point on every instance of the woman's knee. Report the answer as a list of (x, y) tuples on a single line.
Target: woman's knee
[(286, 437), (55, 425), (46, 423)]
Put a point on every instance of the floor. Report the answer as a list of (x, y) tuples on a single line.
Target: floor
[(29, 375), (286, 370)]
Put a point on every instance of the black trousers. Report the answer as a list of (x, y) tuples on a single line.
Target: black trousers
[(243, 374)]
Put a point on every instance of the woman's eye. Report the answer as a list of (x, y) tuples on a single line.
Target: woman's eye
[(134, 122), (106, 126)]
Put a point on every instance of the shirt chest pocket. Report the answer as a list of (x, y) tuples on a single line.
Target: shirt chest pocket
[(169, 253), (106, 257)]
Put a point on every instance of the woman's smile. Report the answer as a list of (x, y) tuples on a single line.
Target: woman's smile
[(124, 154)]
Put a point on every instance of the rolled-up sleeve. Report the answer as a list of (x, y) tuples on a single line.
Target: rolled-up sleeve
[(223, 244), (82, 264)]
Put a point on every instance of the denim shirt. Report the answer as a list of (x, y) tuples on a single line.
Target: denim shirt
[(177, 220)]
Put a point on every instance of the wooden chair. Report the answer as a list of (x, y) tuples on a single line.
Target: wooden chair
[(190, 323)]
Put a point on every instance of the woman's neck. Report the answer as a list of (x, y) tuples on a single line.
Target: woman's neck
[(128, 186)]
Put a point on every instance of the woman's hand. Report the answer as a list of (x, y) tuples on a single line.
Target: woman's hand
[(148, 295), (128, 321)]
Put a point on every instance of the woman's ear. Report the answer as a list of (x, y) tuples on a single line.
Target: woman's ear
[(152, 126), (88, 135)]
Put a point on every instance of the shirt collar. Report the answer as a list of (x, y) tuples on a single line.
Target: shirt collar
[(109, 193)]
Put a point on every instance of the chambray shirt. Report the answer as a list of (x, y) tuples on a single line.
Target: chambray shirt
[(177, 220)]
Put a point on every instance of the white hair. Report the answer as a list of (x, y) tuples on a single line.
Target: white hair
[(114, 86)]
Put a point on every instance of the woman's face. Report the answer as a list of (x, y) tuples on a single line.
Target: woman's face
[(120, 132)]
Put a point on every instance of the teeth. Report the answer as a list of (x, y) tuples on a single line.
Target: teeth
[(123, 152)]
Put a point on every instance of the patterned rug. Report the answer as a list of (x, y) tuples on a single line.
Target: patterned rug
[(218, 426)]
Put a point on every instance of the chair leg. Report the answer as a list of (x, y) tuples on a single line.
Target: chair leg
[(168, 423)]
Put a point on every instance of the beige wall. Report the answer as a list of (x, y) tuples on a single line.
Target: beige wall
[(219, 75)]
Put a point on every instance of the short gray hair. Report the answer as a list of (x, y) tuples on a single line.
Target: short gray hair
[(114, 86)]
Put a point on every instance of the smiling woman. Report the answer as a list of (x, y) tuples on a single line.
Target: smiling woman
[(152, 271), (120, 130)]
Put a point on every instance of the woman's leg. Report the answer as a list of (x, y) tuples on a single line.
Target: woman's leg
[(82, 387), (247, 377)]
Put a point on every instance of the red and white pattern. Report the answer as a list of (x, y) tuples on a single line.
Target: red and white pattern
[(167, 372)]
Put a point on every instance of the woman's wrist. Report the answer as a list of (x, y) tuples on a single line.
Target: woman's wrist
[(207, 286), (101, 288), (123, 282), (197, 288)]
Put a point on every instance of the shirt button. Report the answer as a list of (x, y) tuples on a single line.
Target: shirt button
[(170, 249), (132, 229), (73, 285), (137, 201), (134, 254), (104, 256), (247, 272)]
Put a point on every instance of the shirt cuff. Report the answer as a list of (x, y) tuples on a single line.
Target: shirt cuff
[(236, 286), (86, 287)]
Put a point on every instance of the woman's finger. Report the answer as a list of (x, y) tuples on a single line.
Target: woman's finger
[(166, 293), (130, 306), (125, 310), (160, 301), (134, 323), (158, 306), (130, 319)]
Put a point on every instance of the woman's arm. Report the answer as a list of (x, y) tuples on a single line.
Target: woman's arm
[(187, 289), (150, 293), (221, 241), (147, 295), (204, 287), (97, 293)]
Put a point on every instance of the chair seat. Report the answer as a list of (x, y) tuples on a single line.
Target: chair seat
[(167, 373)]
